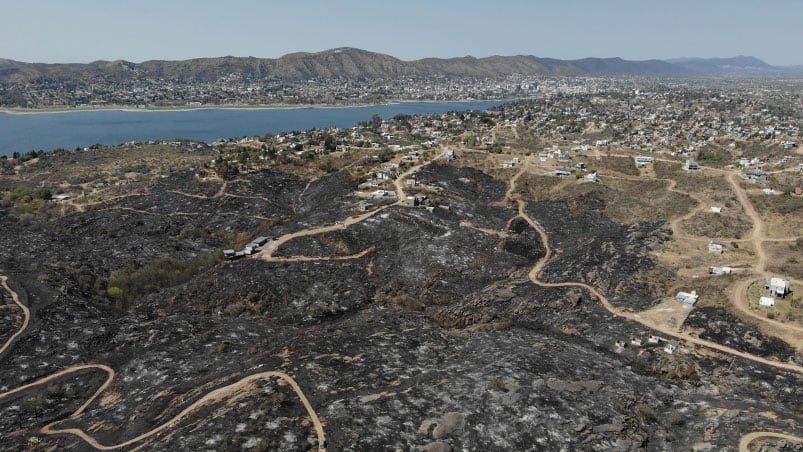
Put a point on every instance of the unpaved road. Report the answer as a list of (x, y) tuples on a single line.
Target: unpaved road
[(267, 253), (214, 396), (25, 311), (750, 437), (536, 270)]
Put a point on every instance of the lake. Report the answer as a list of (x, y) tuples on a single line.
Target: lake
[(69, 130)]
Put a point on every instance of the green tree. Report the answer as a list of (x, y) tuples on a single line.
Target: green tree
[(42, 193)]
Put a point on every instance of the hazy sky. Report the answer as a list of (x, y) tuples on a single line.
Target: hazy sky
[(139, 30)]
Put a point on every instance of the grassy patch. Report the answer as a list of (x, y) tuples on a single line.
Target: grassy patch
[(129, 285), (622, 165), (717, 226)]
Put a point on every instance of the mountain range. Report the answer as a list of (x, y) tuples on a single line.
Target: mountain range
[(356, 64)]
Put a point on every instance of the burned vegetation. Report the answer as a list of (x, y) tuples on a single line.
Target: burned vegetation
[(416, 328)]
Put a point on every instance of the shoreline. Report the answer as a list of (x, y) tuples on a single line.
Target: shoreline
[(186, 108)]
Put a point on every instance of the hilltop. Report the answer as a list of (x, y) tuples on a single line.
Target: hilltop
[(356, 64)]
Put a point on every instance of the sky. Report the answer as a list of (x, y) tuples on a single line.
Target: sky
[(80, 31)]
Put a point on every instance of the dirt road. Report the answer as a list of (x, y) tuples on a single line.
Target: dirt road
[(750, 437), (211, 397), (267, 253), (214, 396), (25, 311), (538, 267)]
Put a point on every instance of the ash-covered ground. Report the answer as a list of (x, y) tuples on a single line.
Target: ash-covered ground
[(433, 340)]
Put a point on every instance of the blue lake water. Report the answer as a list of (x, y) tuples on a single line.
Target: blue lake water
[(47, 131)]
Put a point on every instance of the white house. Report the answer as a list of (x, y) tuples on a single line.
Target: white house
[(716, 209), (691, 165), (688, 298), (715, 247), (671, 347), (719, 270), (777, 287), (592, 177), (766, 301)]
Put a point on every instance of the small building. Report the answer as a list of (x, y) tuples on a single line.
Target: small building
[(716, 247), (61, 198), (719, 270), (756, 176), (592, 177), (228, 254), (691, 165), (563, 172), (580, 166), (364, 206), (766, 301), (410, 201), (637, 341), (642, 160), (379, 194), (716, 209), (689, 299), (653, 339), (777, 287), (671, 347)]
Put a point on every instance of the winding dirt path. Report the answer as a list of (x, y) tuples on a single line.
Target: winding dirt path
[(745, 441), (273, 246), (214, 396), (539, 266), (25, 311), (221, 191), (72, 369), (791, 333)]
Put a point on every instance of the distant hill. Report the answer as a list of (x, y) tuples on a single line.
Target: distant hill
[(740, 65), (358, 64)]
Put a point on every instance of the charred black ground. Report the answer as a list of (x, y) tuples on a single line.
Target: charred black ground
[(435, 338)]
